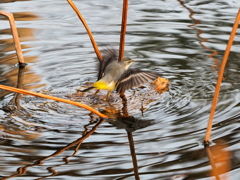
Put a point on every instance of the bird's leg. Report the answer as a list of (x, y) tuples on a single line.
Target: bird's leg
[(108, 95), (123, 97), (87, 89), (97, 91)]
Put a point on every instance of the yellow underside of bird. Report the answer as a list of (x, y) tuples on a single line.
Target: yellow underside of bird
[(103, 85)]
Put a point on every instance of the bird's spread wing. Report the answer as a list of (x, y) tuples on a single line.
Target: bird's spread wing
[(109, 55), (135, 77)]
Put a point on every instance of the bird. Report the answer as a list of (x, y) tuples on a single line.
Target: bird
[(117, 75)]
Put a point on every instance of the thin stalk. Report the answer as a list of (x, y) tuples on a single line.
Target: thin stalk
[(53, 98), (123, 30), (220, 77), (94, 44), (15, 37)]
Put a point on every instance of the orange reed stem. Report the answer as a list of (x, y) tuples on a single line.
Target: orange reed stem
[(87, 29), (15, 37), (53, 98), (220, 77), (123, 30)]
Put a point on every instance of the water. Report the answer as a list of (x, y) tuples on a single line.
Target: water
[(182, 40)]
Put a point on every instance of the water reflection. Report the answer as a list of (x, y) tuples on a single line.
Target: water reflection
[(23, 170), (10, 1), (11, 74), (78, 142), (129, 123), (199, 32), (25, 16), (15, 101), (219, 158)]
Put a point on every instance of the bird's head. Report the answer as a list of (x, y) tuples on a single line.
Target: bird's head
[(127, 62)]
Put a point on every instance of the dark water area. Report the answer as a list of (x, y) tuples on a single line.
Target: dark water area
[(183, 40)]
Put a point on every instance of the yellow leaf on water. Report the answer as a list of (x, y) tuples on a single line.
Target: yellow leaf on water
[(161, 84)]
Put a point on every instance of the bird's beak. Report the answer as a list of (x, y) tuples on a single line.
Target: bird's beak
[(134, 61)]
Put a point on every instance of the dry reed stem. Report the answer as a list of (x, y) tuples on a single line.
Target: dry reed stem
[(15, 37), (53, 98), (220, 77), (87, 29), (123, 30)]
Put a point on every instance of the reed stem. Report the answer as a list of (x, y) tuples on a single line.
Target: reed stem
[(53, 98), (220, 77), (123, 30), (94, 44), (15, 37)]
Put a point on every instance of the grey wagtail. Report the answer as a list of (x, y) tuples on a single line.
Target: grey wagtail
[(116, 75)]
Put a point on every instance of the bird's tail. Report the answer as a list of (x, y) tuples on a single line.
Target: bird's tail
[(87, 89)]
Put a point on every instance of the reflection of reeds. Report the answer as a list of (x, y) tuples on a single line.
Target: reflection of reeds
[(15, 100), (219, 158), (199, 32), (15, 37), (23, 170), (78, 141), (220, 77), (133, 154)]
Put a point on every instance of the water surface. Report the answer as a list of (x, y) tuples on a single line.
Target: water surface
[(183, 40)]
